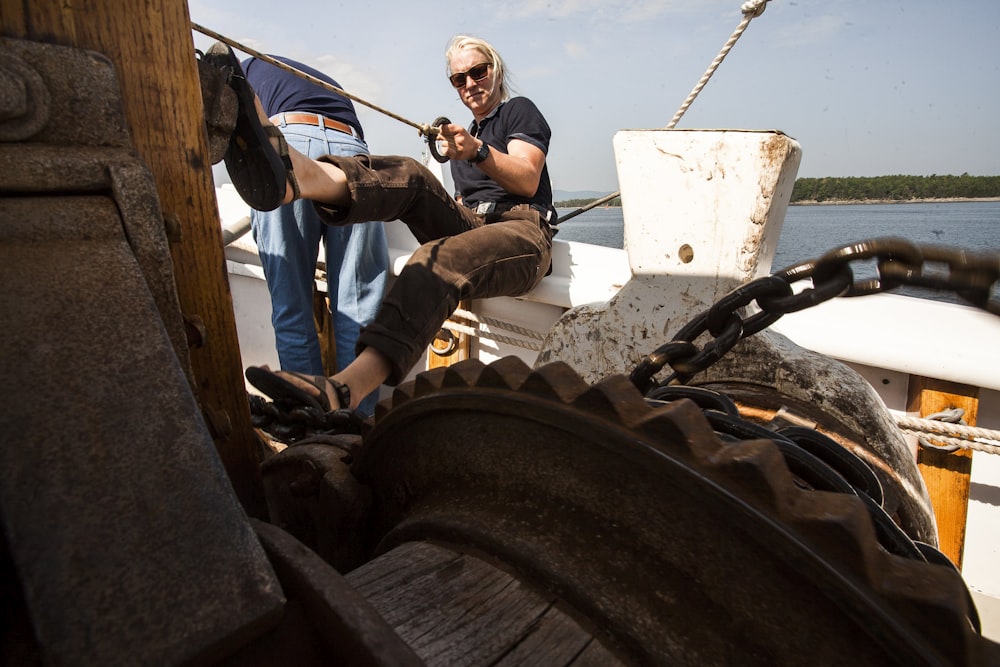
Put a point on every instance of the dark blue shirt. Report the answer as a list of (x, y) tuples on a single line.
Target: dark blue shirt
[(280, 91), (517, 118)]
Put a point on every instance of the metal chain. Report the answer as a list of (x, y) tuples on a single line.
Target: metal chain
[(972, 276), (289, 423)]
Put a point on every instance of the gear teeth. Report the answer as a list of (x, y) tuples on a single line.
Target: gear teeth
[(836, 528), (931, 605), (758, 470), (463, 375), (614, 396), (505, 373), (757, 467), (839, 527), (556, 381), (400, 395), (680, 425), (430, 381)]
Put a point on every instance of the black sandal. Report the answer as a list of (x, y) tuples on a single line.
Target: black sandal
[(287, 387), (259, 172), (221, 107)]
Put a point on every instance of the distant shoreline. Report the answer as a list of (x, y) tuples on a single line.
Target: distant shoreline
[(848, 202), (932, 200)]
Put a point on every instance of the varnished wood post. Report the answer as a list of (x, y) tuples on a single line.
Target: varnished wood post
[(151, 46), (460, 345), (325, 331), (946, 474)]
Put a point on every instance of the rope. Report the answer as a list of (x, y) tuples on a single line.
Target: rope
[(959, 435), (528, 333), (500, 338), (423, 129), (751, 10), (483, 327)]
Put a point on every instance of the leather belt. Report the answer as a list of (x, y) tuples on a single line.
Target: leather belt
[(313, 119), (493, 210)]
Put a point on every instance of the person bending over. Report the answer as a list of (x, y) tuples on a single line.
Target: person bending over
[(317, 122)]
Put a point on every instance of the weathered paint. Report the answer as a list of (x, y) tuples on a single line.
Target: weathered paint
[(703, 211)]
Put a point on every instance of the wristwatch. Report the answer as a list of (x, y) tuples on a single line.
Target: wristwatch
[(481, 154)]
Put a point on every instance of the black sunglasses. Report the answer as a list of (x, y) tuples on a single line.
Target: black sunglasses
[(478, 73)]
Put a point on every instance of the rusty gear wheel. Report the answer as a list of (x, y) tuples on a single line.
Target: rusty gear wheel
[(678, 547)]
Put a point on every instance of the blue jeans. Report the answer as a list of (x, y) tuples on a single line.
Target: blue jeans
[(357, 261)]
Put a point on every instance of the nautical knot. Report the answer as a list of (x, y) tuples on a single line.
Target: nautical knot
[(754, 8)]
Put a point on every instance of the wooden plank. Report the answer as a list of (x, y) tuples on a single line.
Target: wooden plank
[(947, 474), (151, 46), (595, 655), (462, 611), (454, 608), (556, 640)]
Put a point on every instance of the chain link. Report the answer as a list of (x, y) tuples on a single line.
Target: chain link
[(291, 423), (970, 275)]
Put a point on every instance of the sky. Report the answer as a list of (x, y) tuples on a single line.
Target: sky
[(867, 87)]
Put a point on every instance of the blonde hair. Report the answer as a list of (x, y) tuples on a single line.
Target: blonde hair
[(461, 42)]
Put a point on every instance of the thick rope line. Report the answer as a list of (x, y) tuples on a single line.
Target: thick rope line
[(492, 335), (751, 10), (473, 317), (960, 435), (423, 129)]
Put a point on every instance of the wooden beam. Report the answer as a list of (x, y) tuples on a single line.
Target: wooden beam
[(151, 46), (946, 474), (325, 331), (459, 344)]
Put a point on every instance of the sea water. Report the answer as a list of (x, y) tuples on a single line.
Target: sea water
[(809, 231)]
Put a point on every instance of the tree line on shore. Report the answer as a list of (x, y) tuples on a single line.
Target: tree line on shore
[(895, 188), (872, 188), (579, 203)]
